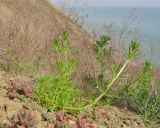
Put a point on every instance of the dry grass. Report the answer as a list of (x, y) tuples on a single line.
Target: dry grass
[(27, 27)]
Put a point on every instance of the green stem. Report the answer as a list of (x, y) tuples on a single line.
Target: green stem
[(102, 94)]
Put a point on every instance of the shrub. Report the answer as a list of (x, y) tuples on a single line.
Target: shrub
[(102, 54), (24, 66), (140, 93), (57, 91), (143, 95)]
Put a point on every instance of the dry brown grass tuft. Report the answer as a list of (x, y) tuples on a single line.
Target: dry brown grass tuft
[(27, 27)]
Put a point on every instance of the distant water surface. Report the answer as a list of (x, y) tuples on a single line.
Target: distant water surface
[(142, 22)]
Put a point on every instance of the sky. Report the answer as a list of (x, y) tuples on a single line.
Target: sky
[(111, 3)]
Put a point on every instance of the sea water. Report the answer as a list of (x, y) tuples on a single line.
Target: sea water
[(141, 22)]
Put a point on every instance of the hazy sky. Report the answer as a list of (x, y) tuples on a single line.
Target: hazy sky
[(125, 3)]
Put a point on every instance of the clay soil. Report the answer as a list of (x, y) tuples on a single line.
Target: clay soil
[(13, 101)]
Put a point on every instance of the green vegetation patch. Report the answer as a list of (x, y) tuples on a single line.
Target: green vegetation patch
[(57, 91)]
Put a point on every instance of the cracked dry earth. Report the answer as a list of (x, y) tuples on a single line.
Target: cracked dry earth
[(13, 100)]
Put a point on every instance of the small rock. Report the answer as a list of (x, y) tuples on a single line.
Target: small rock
[(27, 90), (13, 94), (126, 122)]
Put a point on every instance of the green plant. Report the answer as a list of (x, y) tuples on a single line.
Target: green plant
[(13, 65), (143, 95), (2, 66), (57, 91), (132, 52), (6, 64), (102, 54)]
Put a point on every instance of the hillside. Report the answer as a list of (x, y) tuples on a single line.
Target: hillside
[(26, 30), (40, 86), (106, 117)]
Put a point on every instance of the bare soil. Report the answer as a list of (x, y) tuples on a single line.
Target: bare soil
[(13, 101)]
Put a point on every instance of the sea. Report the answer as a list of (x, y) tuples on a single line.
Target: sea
[(140, 23)]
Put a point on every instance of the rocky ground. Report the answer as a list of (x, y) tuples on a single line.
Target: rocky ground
[(17, 108)]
